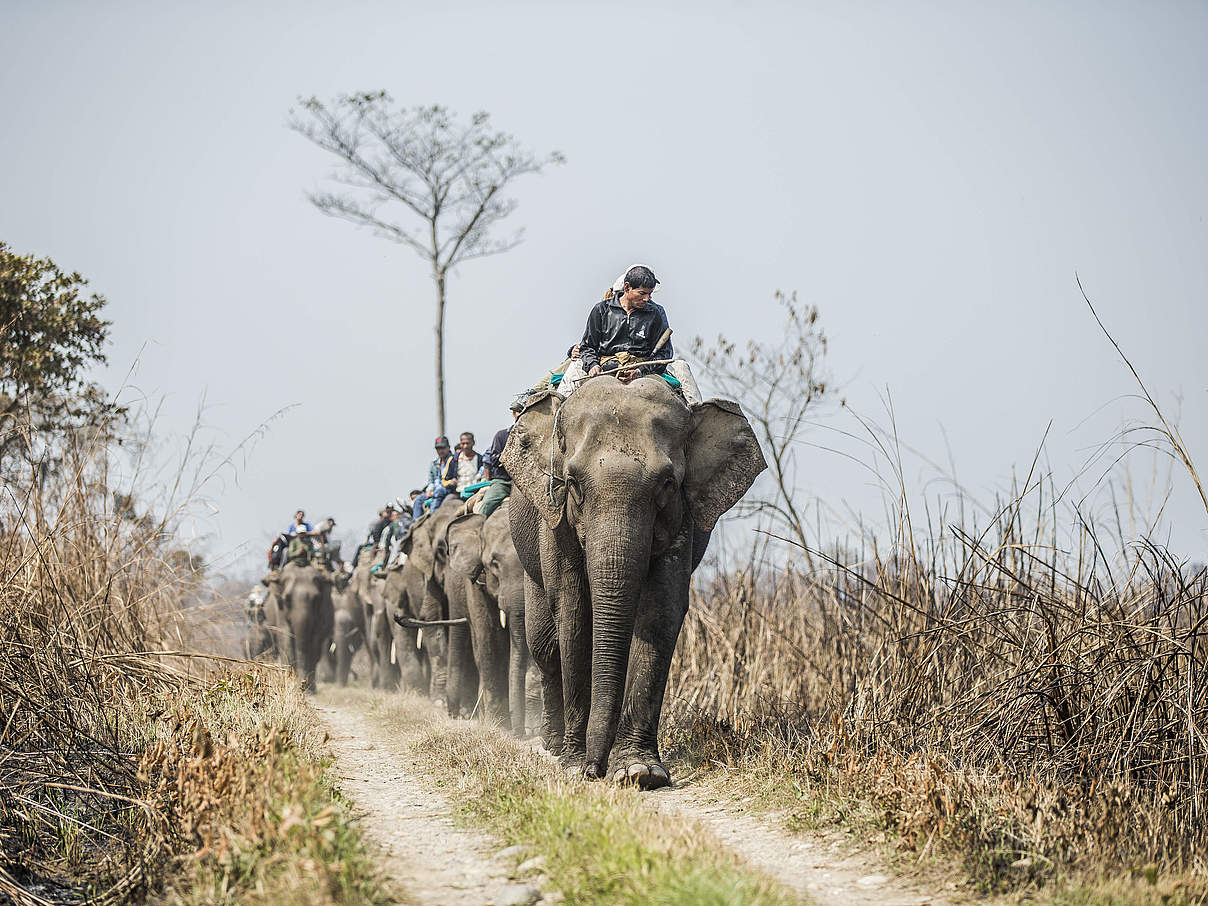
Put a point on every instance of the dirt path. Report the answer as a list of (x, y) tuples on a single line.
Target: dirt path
[(819, 866), (440, 863), (435, 861)]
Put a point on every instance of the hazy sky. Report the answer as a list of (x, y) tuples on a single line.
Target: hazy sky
[(930, 175)]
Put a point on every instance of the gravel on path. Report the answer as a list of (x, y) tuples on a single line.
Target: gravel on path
[(435, 861), (814, 865)]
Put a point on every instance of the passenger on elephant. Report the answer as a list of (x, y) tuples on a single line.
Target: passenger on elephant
[(552, 377), (501, 481), (381, 557), (469, 463), (374, 532), (434, 491), (405, 507), (276, 552), (327, 551), (299, 525), (628, 334)]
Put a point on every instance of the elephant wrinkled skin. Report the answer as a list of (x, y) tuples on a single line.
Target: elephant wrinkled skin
[(609, 541)]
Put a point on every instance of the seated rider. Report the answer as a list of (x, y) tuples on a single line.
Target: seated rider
[(435, 489), (299, 525), (276, 553), (327, 552), (374, 532), (501, 481), (627, 334)]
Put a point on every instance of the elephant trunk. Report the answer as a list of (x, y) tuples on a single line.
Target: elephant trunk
[(615, 567)]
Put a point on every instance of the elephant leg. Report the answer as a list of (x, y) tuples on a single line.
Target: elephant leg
[(490, 643), (661, 612), (461, 686), (436, 645), (572, 610), (541, 633), (388, 670), (518, 660)]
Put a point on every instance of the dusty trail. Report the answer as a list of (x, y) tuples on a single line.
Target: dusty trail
[(435, 861), (818, 866), (438, 862)]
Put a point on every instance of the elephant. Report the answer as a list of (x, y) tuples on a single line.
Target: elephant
[(447, 633), (403, 597), (382, 673), (348, 632), (616, 491), (482, 553), (305, 618), (467, 595), (259, 639)]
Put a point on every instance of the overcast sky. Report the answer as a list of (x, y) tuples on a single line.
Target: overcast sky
[(930, 175)]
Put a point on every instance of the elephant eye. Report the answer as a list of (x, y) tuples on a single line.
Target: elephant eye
[(665, 495)]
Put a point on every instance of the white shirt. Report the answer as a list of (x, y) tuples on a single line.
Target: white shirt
[(467, 471)]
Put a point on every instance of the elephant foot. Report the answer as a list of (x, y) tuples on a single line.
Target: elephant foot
[(644, 773), (572, 763)]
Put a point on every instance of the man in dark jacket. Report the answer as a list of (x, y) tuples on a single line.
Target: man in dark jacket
[(628, 334)]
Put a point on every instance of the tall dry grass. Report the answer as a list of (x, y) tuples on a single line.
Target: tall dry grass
[(1010, 687), (88, 588)]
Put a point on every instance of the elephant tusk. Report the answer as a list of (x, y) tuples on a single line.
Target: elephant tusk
[(503, 619), (332, 648), (393, 656), (409, 623), (419, 639)]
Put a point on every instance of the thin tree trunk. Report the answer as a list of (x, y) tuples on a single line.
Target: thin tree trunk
[(440, 353)]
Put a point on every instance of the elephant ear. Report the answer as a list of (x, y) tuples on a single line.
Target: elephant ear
[(527, 457), (465, 545), (723, 460)]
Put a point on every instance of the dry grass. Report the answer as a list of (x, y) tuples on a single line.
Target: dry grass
[(127, 774), (995, 691)]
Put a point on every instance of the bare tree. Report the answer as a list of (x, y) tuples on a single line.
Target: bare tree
[(422, 178), (778, 385)]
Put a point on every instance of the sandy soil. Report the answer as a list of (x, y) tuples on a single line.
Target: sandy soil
[(822, 867), (433, 860)]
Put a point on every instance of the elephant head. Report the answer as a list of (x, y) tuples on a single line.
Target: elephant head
[(641, 448)]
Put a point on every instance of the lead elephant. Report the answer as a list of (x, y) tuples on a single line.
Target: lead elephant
[(305, 619), (482, 553), (615, 494)]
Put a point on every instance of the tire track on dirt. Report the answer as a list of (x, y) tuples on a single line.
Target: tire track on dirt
[(434, 860), (816, 866)]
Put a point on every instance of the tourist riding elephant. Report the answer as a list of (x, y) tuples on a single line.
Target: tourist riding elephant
[(482, 552), (306, 618), (615, 494)]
